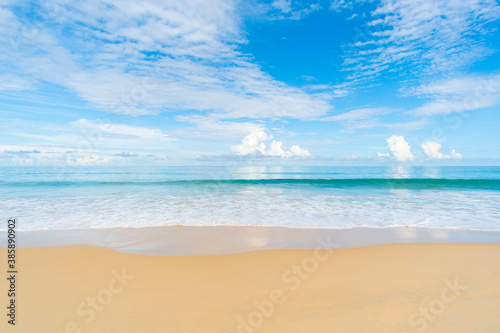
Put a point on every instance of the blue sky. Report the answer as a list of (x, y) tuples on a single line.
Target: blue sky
[(102, 82)]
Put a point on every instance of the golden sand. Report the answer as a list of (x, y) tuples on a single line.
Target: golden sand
[(387, 288)]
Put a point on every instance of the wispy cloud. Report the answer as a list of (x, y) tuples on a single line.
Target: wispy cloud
[(430, 36), (340, 5), (121, 131), (152, 57), (103, 138), (13, 82), (365, 118), (209, 128), (457, 95), (21, 155), (359, 114), (125, 154), (288, 9)]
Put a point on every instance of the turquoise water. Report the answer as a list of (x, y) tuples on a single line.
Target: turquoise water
[(335, 197)]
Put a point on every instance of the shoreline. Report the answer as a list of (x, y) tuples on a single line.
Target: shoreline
[(218, 240)]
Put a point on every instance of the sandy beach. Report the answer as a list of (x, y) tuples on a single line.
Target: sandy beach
[(384, 288)]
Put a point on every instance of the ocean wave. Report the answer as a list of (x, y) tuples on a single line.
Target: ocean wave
[(482, 184)]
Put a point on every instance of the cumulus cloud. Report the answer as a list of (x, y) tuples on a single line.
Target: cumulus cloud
[(297, 151), (454, 154), (400, 149), (275, 149), (432, 151), (253, 144)]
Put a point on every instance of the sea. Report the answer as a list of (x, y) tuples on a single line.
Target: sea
[(47, 198)]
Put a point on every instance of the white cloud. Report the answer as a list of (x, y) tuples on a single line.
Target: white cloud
[(454, 154), (370, 117), (292, 10), (13, 82), (125, 154), (358, 114), (97, 137), (212, 129), (253, 144), (400, 149), (300, 152), (438, 36), (432, 151), (340, 5), (152, 57), (55, 156), (408, 125), (383, 155), (458, 95), (283, 5), (334, 91), (121, 131), (275, 149)]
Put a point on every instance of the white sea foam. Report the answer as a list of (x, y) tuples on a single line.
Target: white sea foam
[(302, 197), (261, 207)]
